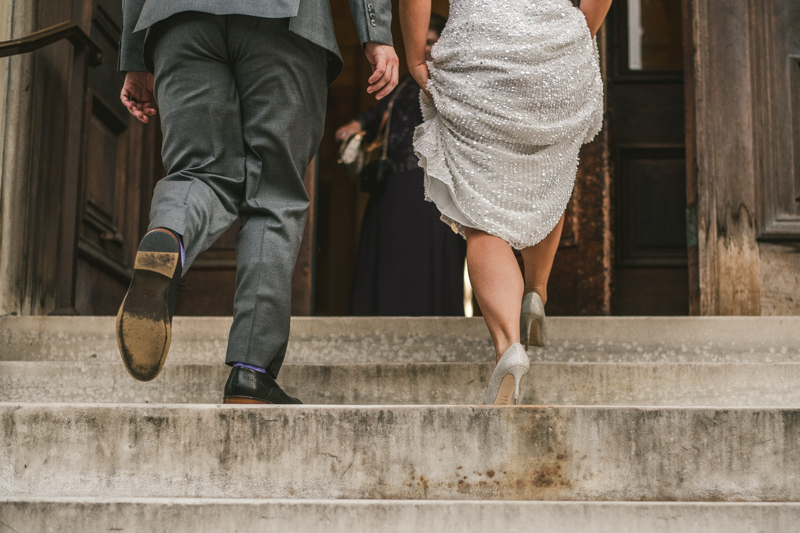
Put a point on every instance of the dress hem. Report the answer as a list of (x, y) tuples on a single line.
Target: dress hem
[(435, 168)]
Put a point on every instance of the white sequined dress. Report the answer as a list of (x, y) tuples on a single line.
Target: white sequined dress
[(516, 91)]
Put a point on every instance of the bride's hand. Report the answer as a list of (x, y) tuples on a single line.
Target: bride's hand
[(421, 76)]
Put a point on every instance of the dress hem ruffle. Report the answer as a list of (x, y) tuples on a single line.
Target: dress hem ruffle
[(435, 167)]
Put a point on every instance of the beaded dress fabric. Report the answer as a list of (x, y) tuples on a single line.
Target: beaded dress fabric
[(516, 91)]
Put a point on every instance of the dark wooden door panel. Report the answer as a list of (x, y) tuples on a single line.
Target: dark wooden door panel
[(647, 117), (641, 290), (652, 208), (776, 86), (644, 110), (794, 76), (109, 209)]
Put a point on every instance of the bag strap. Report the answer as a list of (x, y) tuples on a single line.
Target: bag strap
[(387, 119)]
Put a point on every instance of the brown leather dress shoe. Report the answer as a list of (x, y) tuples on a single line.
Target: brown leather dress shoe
[(249, 386)]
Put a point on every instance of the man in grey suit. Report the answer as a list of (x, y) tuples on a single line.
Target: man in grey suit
[(241, 88)]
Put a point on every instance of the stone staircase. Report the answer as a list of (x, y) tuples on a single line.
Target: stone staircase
[(635, 425)]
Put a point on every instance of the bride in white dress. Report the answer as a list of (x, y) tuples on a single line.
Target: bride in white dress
[(513, 91)]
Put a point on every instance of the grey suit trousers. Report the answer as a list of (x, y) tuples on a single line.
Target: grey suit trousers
[(242, 104)]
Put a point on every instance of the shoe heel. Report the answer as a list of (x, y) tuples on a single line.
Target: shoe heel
[(531, 331), (144, 320), (504, 385), (508, 391), (518, 372), (531, 321)]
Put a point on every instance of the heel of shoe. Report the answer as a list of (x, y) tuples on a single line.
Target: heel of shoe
[(531, 331), (531, 321), (504, 385), (518, 372), (144, 320)]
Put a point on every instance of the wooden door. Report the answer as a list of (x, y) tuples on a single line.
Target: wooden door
[(646, 118), (117, 171)]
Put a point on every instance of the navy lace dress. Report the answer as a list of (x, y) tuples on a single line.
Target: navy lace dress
[(408, 262)]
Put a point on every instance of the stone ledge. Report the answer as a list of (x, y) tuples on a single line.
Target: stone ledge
[(428, 339), (396, 452), (673, 384), (387, 516)]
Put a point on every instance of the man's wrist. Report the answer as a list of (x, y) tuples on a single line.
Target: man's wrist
[(378, 43)]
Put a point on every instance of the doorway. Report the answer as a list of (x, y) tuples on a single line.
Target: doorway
[(645, 87)]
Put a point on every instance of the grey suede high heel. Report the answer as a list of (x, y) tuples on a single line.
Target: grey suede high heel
[(507, 377), (531, 321)]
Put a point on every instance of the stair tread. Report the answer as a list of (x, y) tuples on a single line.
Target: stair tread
[(707, 384), (176, 515), (369, 339)]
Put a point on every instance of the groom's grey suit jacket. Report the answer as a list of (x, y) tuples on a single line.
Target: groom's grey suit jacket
[(310, 19)]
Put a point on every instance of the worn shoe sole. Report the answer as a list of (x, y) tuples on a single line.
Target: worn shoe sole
[(506, 391), (244, 400), (144, 327)]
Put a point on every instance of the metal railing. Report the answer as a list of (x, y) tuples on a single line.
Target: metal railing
[(65, 30)]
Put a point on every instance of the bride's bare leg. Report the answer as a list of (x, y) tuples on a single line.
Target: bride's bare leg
[(538, 261), (497, 283)]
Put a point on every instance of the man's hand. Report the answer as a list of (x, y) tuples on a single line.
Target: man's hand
[(384, 63), (137, 95)]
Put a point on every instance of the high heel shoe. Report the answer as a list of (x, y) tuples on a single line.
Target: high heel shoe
[(531, 321), (506, 379)]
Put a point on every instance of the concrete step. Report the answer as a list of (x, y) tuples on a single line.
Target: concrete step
[(400, 452), (429, 339), (640, 384), (347, 516)]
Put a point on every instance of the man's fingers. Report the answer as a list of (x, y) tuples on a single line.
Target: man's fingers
[(388, 82), (380, 70), (378, 83), (378, 86), (142, 117), (124, 97), (136, 111), (391, 83), (140, 110)]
